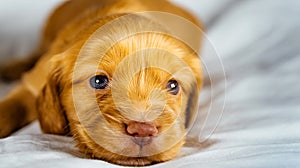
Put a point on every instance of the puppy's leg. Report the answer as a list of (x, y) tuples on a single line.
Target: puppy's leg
[(13, 70), (16, 110)]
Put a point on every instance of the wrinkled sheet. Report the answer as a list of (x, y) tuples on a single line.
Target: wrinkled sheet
[(249, 115)]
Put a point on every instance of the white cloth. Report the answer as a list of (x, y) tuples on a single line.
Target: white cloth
[(258, 43)]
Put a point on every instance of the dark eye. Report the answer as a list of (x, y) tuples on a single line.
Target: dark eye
[(99, 82), (173, 87)]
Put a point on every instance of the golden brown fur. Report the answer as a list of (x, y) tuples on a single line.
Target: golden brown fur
[(56, 90)]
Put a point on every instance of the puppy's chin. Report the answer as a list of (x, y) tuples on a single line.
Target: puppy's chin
[(132, 153)]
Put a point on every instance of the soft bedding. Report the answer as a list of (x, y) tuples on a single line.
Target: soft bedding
[(249, 114)]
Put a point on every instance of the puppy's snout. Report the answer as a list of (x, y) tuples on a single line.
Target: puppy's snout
[(141, 129)]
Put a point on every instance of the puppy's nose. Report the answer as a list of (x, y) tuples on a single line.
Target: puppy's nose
[(141, 129)]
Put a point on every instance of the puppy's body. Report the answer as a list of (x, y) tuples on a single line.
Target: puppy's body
[(55, 89)]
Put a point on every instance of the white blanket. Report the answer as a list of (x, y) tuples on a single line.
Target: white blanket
[(252, 122)]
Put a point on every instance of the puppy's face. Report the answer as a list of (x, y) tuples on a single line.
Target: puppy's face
[(131, 103)]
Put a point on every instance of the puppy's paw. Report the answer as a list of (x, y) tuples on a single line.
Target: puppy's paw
[(5, 129), (4, 132)]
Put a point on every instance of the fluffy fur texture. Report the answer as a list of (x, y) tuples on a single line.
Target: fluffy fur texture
[(139, 66)]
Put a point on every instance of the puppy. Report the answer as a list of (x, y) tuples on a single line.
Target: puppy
[(121, 76)]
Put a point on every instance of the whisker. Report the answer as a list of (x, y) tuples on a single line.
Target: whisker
[(111, 117)]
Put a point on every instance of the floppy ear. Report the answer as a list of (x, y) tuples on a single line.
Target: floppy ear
[(191, 107), (51, 114), (193, 96)]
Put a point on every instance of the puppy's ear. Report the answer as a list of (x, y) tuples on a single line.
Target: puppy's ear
[(193, 95), (51, 114)]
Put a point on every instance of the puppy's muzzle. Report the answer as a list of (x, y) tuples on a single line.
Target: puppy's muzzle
[(141, 132)]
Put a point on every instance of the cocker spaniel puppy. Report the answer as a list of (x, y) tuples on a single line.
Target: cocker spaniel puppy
[(121, 76)]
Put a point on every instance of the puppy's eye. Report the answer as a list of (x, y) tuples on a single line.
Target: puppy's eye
[(99, 82), (173, 87)]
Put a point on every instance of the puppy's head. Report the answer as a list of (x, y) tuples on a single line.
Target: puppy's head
[(127, 97)]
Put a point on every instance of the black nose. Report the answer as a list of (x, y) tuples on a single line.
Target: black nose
[(141, 129)]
